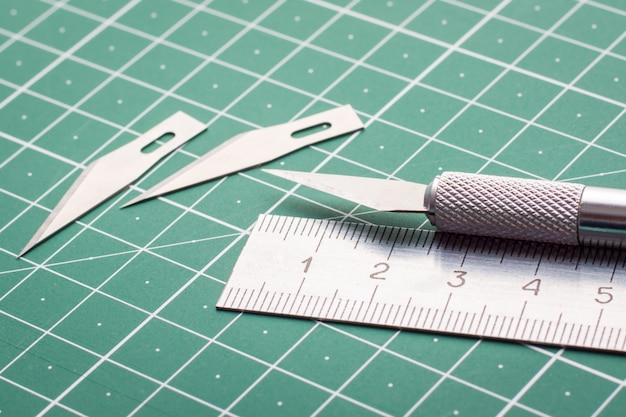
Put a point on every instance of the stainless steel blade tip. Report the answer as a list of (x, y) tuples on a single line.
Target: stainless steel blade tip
[(379, 194)]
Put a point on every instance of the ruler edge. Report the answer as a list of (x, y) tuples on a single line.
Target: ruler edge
[(262, 217)]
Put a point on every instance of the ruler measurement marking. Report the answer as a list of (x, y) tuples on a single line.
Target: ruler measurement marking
[(388, 314), (601, 336), (482, 313), (493, 327), (282, 311), (502, 326), (249, 298), (230, 291), (258, 296), (463, 323), (417, 320), (445, 308), (395, 317), (590, 326), (242, 298), (556, 328), (331, 303), (297, 294), (359, 237), (405, 310), (456, 321), (595, 331)]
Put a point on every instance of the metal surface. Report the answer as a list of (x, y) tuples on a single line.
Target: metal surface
[(544, 211), (256, 147), (384, 195), (414, 279), (505, 207), (602, 216), (114, 171)]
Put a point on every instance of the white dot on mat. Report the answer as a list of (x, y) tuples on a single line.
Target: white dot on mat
[(218, 376), (42, 299), (137, 218), (13, 12), (215, 86), (120, 101), (594, 26), (435, 340), (500, 366), (422, 110), (257, 51), (389, 4), (500, 40), (405, 55), (49, 367), (153, 15), (244, 1), (30, 174), (205, 33), (540, 152), (279, 403), (567, 393), (366, 90), (99, 324), (108, 394), (519, 94), (162, 66), (616, 79), (18, 63), (390, 385), (75, 137), (455, 412), (147, 282), (537, 8), (157, 350), (282, 163), (111, 48), (238, 201), (68, 82), (296, 18), (326, 358), (579, 115), (480, 131), (382, 146), (444, 22), (205, 306), (24, 117), (440, 169), (557, 59), (61, 29), (269, 105), (351, 36), (462, 75), (264, 331)]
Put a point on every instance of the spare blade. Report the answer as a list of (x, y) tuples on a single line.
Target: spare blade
[(379, 194), (114, 171), (256, 147)]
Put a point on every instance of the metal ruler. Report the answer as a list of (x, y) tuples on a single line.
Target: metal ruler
[(423, 280)]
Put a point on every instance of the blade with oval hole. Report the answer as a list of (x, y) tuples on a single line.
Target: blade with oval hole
[(116, 170), (256, 147)]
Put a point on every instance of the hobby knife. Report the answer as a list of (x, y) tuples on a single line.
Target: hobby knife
[(256, 147), (111, 173), (504, 207)]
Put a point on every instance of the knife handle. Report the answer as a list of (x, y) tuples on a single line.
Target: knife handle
[(514, 208)]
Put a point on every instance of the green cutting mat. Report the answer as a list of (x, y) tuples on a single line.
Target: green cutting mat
[(115, 315)]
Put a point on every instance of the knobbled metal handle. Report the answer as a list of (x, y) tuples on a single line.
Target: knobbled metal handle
[(505, 207)]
